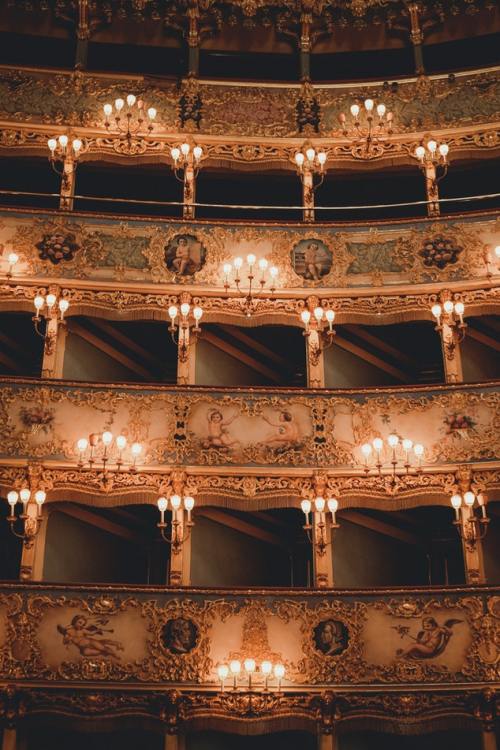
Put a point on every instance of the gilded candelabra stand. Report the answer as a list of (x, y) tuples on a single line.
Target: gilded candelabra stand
[(396, 454), (367, 126), (250, 670), (105, 452), (130, 120)]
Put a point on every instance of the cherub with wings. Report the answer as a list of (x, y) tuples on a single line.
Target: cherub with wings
[(87, 635), (430, 642)]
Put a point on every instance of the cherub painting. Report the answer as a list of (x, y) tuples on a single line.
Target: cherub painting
[(311, 259), (184, 255), (218, 434), (87, 634), (285, 432), (430, 642)]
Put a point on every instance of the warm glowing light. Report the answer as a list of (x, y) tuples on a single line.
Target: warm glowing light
[(235, 666), (330, 315), (378, 444), (393, 440), (469, 498), (266, 667), (50, 300), (318, 313), (12, 497), (418, 449), (436, 311), (40, 497), (176, 502), (456, 501), (189, 503), (197, 152), (107, 438), (185, 308), (249, 665), (319, 504), (119, 104), (82, 445), (306, 506), (121, 442), (162, 504), (151, 113), (172, 312), (25, 495), (333, 505), (366, 449), (197, 313)]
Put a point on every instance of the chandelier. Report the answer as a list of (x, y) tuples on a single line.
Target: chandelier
[(395, 453), (102, 450), (184, 321), (471, 527), (180, 530), (129, 120), (265, 273), (317, 532), (250, 672), (367, 125), (30, 522)]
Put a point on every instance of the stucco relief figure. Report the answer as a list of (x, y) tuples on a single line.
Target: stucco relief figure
[(88, 636), (179, 635), (218, 434), (331, 637), (429, 642), (184, 255), (285, 432), (311, 259)]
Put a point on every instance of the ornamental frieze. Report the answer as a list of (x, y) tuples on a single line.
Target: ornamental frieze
[(191, 255), (170, 637), (240, 427)]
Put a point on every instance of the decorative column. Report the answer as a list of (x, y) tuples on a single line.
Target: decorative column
[(328, 741), (189, 195), (432, 190), (33, 549), (82, 35), (53, 349), (175, 742), (486, 712), (417, 37), (193, 38), (315, 359), (9, 740), (308, 196), (68, 183), (452, 359), (306, 19), (180, 555)]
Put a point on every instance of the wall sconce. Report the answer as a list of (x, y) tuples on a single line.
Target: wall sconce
[(51, 307), (316, 533), (310, 164), (470, 527), (31, 523), (102, 448), (320, 324), (450, 314), (179, 531), (62, 153), (250, 671), (131, 123), (368, 125), (268, 274), (12, 259), (394, 452), (185, 321), (184, 157), (433, 161)]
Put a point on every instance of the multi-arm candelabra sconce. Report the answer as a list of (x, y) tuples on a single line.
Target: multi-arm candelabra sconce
[(310, 163), (319, 330), (103, 451), (472, 528), (400, 455), (129, 120), (432, 158), (317, 531), (256, 677), (450, 324), (186, 161), (368, 125), (258, 274), (49, 306), (30, 522), (62, 150), (178, 530), (184, 326)]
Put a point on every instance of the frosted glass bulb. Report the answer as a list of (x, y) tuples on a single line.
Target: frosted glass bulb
[(25, 495), (162, 504), (393, 440), (306, 506), (380, 110), (251, 259), (185, 308), (436, 311), (321, 158), (469, 498), (50, 300), (227, 268), (40, 496), (185, 147), (176, 502), (197, 152), (12, 258), (279, 671), (266, 668), (432, 146), (456, 501), (263, 264), (319, 504), (369, 104), (63, 305), (235, 666), (107, 437), (107, 109), (497, 251), (407, 444), (355, 110), (366, 449), (152, 113), (333, 505), (77, 144), (448, 306), (299, 158), (189, 503), (12, 498), (130, 100), (318, 313), (121, 442), (63, 141), (310, 153), (197, 313), (52, 144), (305, 316), (82, 445), (249, 665), (444, 149), (330, 315), (418, 449), (119, 104), (459, 308), (136, 449), (175, 153), (420, 152), (222, 671), (172, 312), (273, 271), (378, 444), (238, 262)]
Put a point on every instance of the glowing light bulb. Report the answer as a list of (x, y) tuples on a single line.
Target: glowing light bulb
[(273, 272), (418, 450), (185, 148), (162, 504), (175, 153), (119, 104), (263, 264), (172, 312), (235, 667), (197, 152), (420, 153), (355, 110), (249, 665), (369, 103), (176, 502), (366, 449), (380, 110), (238, 262), (448, 306), (432, 146), (121, 442), (321, 158), (77, 145), (222, 671), (63, 141), (266, 667), (333, 505), (50, 300), (305, 316), (136, 449), (107, 438), (497, 251), (107, 110), (279, 671), (197, 313), (251, 259), (152, 113), (436, 311), (189, 503), (12, 498), (330, 315), (444, 149), (52, 144), (25, 495), (306, 507), (469, 498), (131, 99), (378, 444), (227, 268), (319, 504), (40, 497), (456, 501), (63, 305), (310, 153), (185, 308), (459, 308), (393, 440), (82, 445), (299, 158), (407, 445), (318, 313)]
